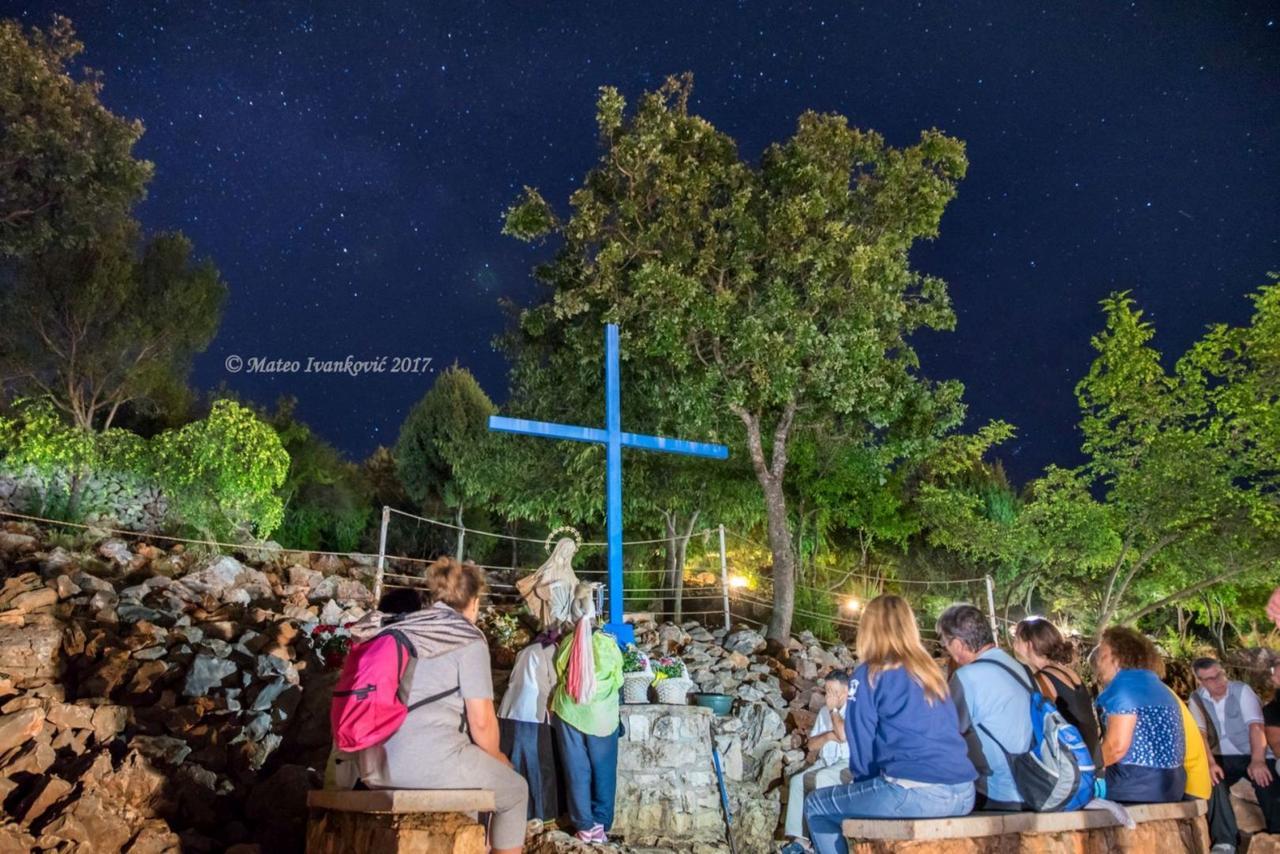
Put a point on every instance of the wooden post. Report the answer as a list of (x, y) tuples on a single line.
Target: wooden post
[(724, 580), (382, 556), (991, 607)]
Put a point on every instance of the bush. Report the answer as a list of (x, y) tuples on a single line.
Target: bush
[(222, 473), (815, 612)]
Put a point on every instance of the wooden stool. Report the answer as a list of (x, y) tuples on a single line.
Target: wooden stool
[(397, 821)]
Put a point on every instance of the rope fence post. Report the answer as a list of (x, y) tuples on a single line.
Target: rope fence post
[(382, 555), (991, 606), (724, 580)]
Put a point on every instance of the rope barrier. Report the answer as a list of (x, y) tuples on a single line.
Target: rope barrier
[(512, 537)]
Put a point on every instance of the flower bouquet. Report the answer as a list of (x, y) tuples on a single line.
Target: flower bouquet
[(331, 643), (671, 679), (636, 675)]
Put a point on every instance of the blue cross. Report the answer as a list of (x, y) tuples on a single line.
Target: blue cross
[(614, 441)]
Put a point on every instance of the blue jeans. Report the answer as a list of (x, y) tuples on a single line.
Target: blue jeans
[(826, 809), (590, 764)]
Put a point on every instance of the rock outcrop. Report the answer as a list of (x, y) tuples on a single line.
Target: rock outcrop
[(151, 699)]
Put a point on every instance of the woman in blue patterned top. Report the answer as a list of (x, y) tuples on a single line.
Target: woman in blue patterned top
[(1143, 745)]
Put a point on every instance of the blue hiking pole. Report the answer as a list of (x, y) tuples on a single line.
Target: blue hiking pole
[(724, 797)]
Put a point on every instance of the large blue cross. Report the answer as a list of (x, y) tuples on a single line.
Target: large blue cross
[(614, 441)]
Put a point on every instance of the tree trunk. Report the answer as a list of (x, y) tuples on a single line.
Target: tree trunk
[(669, 574), (682, 551), (513, 529), (769, 474)]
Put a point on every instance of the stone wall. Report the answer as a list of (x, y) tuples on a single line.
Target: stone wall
[(667, 792), (111, 499)]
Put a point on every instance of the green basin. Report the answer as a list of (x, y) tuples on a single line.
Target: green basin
[(721, 704)]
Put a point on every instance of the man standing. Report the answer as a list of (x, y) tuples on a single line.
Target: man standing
[(989, 688), (1230, 719)]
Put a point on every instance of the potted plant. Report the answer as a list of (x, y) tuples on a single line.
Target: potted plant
[(502, 631), (671, 679), (637, 675)]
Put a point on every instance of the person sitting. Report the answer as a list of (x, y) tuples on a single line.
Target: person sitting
[(342, 771), (1230, 720), (1143, 744), (827, 760), (526, 729), (587, 720), (1038, 644), (450, 740), (989, 689), (906, 753)]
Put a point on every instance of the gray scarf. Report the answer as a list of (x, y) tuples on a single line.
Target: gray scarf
[(433, 631)]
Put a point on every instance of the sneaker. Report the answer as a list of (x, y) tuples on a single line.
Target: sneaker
[(585, 836), (598, 834)]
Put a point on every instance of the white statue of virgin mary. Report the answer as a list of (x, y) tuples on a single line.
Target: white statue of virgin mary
[(549, 591)]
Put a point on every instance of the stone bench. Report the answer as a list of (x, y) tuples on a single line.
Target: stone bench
[(1167, 828), (403, 821)]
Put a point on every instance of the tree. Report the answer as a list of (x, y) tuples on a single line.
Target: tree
[(452, 415), (66, 163), (109, 324), (1186, 459), (776, 296)]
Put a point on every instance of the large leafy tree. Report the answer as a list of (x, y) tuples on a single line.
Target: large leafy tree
[(769, 296), (66, 162), (111, 324)]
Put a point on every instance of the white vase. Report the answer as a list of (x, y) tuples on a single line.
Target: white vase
[(635, 687), (674, 691)]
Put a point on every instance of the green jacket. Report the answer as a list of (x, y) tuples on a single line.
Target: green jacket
[(598, 716)]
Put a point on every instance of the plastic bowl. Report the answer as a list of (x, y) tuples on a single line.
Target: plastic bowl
[(721, 704)]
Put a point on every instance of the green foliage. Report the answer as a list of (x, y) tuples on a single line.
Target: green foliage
[(750, 298), (816, 612), (108, 324), (68, 166), (223, 473), (327, 501)]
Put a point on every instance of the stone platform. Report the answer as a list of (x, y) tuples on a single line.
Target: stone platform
[(667, 794)]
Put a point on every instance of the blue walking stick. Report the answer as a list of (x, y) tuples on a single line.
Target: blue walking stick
[(724, 798)]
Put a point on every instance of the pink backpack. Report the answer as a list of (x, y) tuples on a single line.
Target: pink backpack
[(370, 701)]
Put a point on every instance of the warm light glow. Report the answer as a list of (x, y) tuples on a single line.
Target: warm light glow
[(739, 581), (852, 605)]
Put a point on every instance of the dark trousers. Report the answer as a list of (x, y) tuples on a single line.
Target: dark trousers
[(533, 753), (1222, 818), (590, 764)]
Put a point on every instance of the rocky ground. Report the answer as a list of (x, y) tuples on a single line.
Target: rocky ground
[(160, 699)]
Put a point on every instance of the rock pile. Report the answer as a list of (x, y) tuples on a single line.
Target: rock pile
[(777, 700), (160, 700)]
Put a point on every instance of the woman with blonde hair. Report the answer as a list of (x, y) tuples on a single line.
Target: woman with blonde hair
[(905, 749)]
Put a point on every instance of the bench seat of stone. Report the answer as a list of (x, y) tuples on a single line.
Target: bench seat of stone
[(400, 821), (1160, 828)]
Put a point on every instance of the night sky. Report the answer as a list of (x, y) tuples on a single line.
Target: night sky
[(346, 166)]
